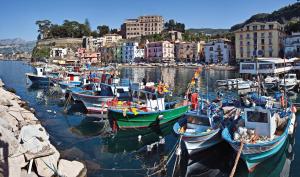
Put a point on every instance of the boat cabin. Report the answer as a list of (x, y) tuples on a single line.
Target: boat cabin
[(40, 71), (73, 76), (290, 76), (261, 121)]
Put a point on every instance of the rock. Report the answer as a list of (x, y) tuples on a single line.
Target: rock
[(71, 168), (3, 108), (47, 166), (10, 120), (1, 83), (27, 115), (73, 152), (15, 163), (4, 101), (9, 143), (14, 166), (92, 166), (24, 174), (16, 114), (33, 138)]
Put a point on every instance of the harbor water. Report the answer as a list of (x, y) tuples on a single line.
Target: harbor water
[(87, 138)]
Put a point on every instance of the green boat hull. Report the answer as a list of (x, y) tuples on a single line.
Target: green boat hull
[(145, 119), (254, 159)]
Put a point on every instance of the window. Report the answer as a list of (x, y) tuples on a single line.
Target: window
[(262, 41), (254, 116), (247, 66), (255, 27), (248, 36), (270, 34), (211, 49), (262, 35), (270, 41), (271, 26), (262, 27), (265, 66), (247, 28), (255, 35), (241, 36)]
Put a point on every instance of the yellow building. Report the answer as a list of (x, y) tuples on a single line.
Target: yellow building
[(259, 39), (143, 25)]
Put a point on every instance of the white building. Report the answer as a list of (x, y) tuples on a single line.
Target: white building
[(58, 52), (131, 52), (292, 45), (218, 51), (267, 66), (109, 39)]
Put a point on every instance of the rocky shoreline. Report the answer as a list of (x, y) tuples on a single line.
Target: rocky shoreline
[(25, 148)]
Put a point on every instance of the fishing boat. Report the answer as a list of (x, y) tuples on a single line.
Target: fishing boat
[(95, 97), (39, 77), (222, 83), (289, 82), (199, 132), (201, 127), (259, 134), (153, 111), (242, 84), (271, 83)]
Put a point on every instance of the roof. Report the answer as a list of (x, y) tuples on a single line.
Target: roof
[(273, 60)]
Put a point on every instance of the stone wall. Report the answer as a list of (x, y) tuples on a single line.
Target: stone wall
[(72, 43), (25, 145)]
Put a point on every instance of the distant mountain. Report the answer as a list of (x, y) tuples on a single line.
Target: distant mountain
[(210, 31), (16, 45), (282, 15)]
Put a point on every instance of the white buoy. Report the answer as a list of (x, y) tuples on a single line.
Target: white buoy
[(149, 148), (292, 125), (140, 138), (162, 140)]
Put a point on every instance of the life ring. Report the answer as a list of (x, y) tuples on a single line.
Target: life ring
[(160, 89), (114, 125), (294, 109)]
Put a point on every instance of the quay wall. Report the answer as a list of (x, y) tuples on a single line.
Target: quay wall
[(25, 146)]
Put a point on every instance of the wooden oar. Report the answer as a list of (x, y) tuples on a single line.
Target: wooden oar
[(237, 159)]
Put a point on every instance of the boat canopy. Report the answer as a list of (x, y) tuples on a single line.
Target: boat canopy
[(261, 121)]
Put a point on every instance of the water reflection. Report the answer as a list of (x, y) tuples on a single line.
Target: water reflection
[(204, 163), (87, 139)]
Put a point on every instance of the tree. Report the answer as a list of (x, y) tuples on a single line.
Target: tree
[(44, 28), (103, 29), (94, 33), (87, 27), (114, 31), (173, 25)]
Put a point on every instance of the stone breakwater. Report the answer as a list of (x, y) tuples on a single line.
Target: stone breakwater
[(25, 148)]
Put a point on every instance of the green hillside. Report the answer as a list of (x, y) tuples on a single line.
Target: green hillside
[(283, 15)]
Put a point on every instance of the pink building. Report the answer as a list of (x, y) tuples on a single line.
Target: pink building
[(85, 57), (159, 51)]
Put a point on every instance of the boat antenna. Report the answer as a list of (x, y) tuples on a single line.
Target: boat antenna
[(206, 85), (284, 91)]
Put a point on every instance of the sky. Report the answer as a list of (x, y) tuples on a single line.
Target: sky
[(17, 17)]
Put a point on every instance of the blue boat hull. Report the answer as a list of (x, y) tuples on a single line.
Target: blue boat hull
[(252, 160), (200, 139), (254, 154), (39, 80)]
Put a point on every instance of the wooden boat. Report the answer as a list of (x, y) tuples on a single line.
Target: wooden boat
[(154, 111), (270, 83), (289, 82), (263, 135), (96, 99), (39, 77)]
